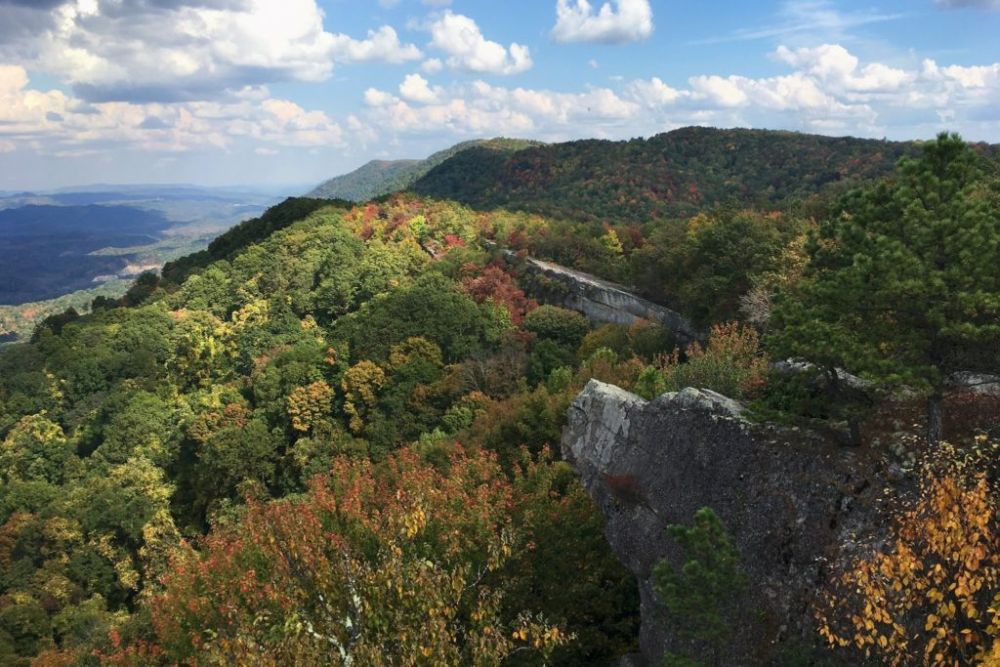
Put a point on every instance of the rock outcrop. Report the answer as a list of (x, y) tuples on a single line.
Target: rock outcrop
[(789, 498), (600, 300)]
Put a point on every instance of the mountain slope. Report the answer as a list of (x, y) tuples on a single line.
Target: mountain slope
[(671, 174), (244, 234), (381, 177), (372, 179), (321, 337)]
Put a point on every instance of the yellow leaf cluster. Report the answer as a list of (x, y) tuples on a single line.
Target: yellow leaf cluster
[(927, 596)]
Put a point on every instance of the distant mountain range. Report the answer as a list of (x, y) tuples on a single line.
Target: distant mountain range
[(381, 177)]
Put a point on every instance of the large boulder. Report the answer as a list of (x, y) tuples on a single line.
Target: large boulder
[(791, 500)]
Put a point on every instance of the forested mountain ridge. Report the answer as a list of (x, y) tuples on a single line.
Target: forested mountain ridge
[(382, 177), (330, 340), (368, 181), (673, 174)]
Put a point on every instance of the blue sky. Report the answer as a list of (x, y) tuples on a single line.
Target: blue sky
[(294, 91)]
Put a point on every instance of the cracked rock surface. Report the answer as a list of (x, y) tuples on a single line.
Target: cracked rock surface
[(789, 498)]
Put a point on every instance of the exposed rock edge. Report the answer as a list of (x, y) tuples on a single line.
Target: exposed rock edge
[(790, 499)]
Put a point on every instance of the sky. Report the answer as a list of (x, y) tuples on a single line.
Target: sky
[(291, 92)]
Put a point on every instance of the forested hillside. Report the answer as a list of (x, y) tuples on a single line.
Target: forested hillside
[(332, 437), (370, 180), (671, 174), (382, 177)]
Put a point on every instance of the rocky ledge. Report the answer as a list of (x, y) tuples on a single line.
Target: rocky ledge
[(600, 300), (789, 498)]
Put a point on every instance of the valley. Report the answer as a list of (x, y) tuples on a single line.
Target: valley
[(63, 249)]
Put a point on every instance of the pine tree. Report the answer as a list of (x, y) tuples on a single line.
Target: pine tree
[(703, 595), (903, 286)]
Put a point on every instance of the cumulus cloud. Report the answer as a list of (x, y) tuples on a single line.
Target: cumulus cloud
[(416, 89), (654, 92), (616, 21), (827, 90), (56, 124), (382, 45), (184, 50), (832, 63), (432, 65), (481, 108), (461, 39)]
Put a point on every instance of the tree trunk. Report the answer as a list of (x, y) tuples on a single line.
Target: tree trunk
[(854, 431), (935, 424)]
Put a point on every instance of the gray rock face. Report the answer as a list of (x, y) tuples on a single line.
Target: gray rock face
[(602, 301), (789, 499), (979, 384)]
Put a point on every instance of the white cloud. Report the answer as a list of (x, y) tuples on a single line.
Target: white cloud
[(467, 48), (53, 123), (833, 64), (616, 21), (827, 90), (415, 89), (377, 98), (724, 91), (480, 108), (976, 76), (182, 50), (831, 91), (432, 66), (654, 92), (382, 45)]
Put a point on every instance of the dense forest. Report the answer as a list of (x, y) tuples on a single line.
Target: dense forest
[(332, 437), (675, 173)]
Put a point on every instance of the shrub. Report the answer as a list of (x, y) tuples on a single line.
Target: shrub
[(412, 555), (614, 337), (648, 339), (547, 356), (566, 327), (730, 364)]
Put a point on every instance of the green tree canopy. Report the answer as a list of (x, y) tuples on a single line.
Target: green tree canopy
[(903, 286)]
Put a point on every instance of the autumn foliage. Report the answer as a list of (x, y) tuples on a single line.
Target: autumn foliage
[(397, 563), (493, 283), (929, 595)]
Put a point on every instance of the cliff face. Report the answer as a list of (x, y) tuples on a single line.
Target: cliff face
[(789, 499), (600, 300)]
